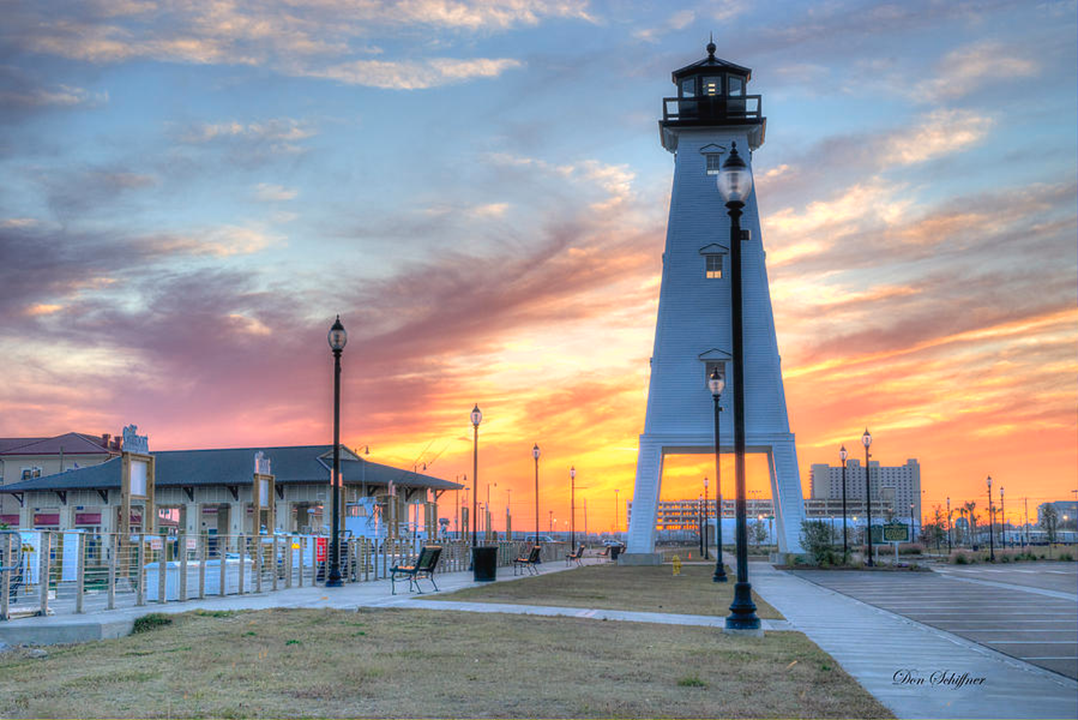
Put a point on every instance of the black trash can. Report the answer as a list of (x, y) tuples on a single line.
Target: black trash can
[(485, 563), (615, 550)]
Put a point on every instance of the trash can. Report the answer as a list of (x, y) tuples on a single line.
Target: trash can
[(615, 550), (485, 563)]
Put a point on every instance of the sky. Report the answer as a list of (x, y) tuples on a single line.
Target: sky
[(190, 192)]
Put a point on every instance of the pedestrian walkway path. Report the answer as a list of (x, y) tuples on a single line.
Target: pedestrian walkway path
[(915, 670), (102, 624), (590, 613)]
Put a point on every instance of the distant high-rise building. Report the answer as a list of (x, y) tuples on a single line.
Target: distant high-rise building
[(898, 486)]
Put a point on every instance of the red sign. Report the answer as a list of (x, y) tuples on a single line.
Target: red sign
[(41, 519), (320, 549), (88, 518), (12, 520)]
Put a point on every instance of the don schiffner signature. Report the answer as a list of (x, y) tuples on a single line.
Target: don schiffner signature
[(939, 678)]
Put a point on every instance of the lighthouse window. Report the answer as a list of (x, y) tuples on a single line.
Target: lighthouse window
[(736, 86), (713, 267), (713, 86), (688, 87), (714, 163)]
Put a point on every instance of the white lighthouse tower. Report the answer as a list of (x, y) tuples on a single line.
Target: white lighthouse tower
[(712, 110)]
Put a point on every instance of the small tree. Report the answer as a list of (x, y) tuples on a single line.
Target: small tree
[(816, 537), (970, 507), (1049, 522), (759, 532)]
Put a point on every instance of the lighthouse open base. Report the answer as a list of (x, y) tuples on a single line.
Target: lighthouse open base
[(640, 559)]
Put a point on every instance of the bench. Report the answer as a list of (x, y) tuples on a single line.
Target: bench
[(609, 551), (423, 567), (529, 563), (575, 557)]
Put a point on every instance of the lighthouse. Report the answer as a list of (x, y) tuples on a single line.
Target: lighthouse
[(710, 115)]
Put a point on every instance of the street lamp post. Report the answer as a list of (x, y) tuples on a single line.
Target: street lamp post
[(700, 521), (477, 417), (572, 509), (716, 383), (843, 454), (707, 517), (735, 184), (1002, 520), (866, 440), (948, 527), (615, 513), (338, 338), (991, 522), (535, 454)]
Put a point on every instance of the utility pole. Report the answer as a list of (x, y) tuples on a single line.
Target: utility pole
[(1002, 519)]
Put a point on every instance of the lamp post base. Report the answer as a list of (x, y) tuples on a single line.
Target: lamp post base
[(334, 581), (720, 575), (742, 619)]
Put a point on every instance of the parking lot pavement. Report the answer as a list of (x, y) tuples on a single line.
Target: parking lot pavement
[(1058, 576), (1009, 612)]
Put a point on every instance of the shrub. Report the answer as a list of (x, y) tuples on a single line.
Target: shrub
[(960, 559), (151, 622), (691, 681), (816, 537), (911, 549), (1066, 557)]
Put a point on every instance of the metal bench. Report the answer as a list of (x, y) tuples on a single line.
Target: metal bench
[(423, 567), (575, 557), (521, 563)]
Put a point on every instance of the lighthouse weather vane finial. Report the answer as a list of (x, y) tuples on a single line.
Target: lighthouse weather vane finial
[(711, 45)]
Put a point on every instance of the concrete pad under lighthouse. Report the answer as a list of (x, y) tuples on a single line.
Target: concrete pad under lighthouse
[(711, 111)]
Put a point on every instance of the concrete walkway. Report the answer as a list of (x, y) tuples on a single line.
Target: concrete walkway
[(888, 653), (69, 628)]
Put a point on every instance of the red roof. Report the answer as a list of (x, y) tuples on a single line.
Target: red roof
[(72, 443)]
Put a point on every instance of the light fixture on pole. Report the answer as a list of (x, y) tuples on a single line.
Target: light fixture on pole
[(991, 522), (842, 453), (735, 183), (572, 509), (338, 338), (477, 417), (715, 384), (866, 440), (535, 454)]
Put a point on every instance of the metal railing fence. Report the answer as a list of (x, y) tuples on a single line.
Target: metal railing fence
[(44, 572)]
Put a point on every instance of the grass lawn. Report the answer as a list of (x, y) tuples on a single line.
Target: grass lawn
[(418, 663), (612, 587)]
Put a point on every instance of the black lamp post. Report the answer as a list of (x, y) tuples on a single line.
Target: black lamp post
[(707, 519), (991, 522), (572, 509), (716, 383), (735, 184), (948, 527), (843, 455), (535, 454), (866, 440), (477, 417), (338, 338), (1002, 521)]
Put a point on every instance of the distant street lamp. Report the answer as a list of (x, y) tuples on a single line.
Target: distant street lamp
[(535, 454), (843, 454), (735, 184), (866, 440), (707, 517), (572, 509), (715, 384), (338, 338), (1002, 520), (616, 513), (991, 522), (477, 417)]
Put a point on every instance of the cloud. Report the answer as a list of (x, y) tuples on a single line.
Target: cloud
[(283, 132), (267, 192), (941, 133), (411, 75), (966, 69)]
